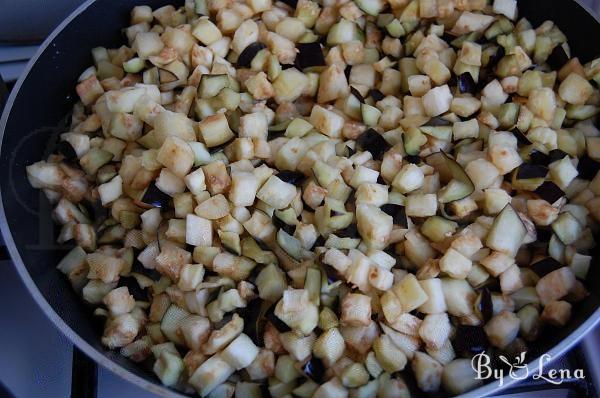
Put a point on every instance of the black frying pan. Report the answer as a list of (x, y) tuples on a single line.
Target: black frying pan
[(45, 94)]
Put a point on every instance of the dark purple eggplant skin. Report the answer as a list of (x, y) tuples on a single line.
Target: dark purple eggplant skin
[(549, 191), (500, 53), (438, 122), (291, 3), (357, 94), (350, 231), (278, 323), (521, 138), (291, 177), (485, 304), (134, 288), (466, 83), (397, 212), (373, 142), (544, 234), (155, 197), (527, 171), (248, 54), (587, 168), (537, 157), (470, 340), (289, 229), (544, 266), (376, 94), (557, 58), (67, 150), (556, 154), (254, 322), (309, 54), (314, 369)]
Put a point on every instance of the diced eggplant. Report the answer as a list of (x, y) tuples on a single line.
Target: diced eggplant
[(309, 55), (357, 95), (245, 58), (556, 154), (567, 228), (466, 84), (587, 168), (528, 171), (507, 232), (314, 369), (521, 138), (397, 212), (469, 340), (373, 142), (549, 191), (544, 266), (484, 305), (291, 177), (376, 95), (155, 197), (461, 184)]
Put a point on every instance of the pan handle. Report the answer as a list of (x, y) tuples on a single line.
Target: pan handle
[(84, 376)]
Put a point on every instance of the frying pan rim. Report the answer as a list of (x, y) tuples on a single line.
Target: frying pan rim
[(487, 389)]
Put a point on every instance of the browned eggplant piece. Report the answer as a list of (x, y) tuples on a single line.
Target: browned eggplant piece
[(245, 58), (459, 187)]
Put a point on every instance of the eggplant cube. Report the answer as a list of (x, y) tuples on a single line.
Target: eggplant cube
[(198, 231), (215, 130), (276, 193), (206, 32), (555, 285), (213, 372), (111, 191), (356, 310), (508, 8), (326, 121), (176, 155), (374, 226), (502, 329), (455, 264), (437, 100), (243, 189), (567, 228), (562, 172), (557, 313), (410, 293), (421, 205), (409, 178), (575, 89), (240, 352), (196, 182)]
